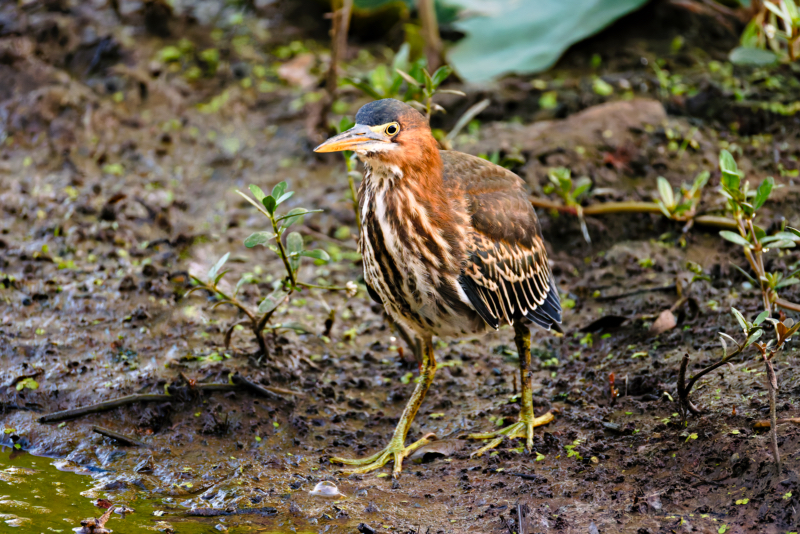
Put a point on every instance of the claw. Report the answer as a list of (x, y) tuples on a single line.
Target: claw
[(521, 429), (395, 452)]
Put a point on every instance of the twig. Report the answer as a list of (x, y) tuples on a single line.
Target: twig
[(430, 32), (465, 119), (765, 424), (704, 479), (268, 391), (683, 391), (340, 25), (669, 287), (103, 407), (122, 438), (239, 383), (606, 208), (344, 244), (772, 383), (786, 305)]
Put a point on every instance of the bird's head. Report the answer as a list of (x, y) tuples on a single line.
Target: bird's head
[(389, 131)]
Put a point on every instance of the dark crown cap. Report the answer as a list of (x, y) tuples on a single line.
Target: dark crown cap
[(387, 110)]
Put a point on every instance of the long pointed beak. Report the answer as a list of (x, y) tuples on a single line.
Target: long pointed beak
[(351, 139)]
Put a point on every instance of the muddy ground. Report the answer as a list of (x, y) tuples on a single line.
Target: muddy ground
[(118, 173)]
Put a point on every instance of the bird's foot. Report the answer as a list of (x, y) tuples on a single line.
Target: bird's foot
[(395, 452), (522, 429)]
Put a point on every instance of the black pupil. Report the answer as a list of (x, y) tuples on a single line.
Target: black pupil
[(391, 130)]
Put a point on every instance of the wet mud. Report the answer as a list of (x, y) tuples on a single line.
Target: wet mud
[(118, 173)]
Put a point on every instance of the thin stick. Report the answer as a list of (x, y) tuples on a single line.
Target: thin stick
[(606, 208), (239, 383), (430, 32), (122, 438), (669, 287), (103, 407), (704, 479), (239, 380), (786, 305), (683, 390), (772, 382)]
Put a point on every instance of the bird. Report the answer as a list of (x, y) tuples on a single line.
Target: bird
[(452, 248)]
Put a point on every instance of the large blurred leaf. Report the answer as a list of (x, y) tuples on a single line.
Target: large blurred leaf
[(755, 57), (508, 36)]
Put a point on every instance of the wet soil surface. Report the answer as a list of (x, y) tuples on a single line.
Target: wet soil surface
[(118, 173)]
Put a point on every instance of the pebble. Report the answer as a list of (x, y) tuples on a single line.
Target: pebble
[(326, 489)]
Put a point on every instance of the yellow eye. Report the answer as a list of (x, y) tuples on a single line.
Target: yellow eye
[(392, 129)]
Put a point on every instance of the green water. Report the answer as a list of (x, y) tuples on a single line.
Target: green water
[(41, 495)]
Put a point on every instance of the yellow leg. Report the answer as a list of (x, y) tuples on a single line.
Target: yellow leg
[(396, 449), (527, 422)]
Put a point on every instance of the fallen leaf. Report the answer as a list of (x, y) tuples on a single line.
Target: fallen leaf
[(666, 321), (442, 448), (296, 71)]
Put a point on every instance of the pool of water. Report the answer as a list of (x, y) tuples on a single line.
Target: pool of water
[(40, 495)]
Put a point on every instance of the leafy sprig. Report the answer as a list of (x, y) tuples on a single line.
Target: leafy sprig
[(289, 246)]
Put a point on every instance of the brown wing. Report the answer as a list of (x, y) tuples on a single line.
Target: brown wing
[(507, 276)]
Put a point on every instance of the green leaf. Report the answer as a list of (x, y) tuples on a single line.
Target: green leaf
[(746, 275), (278, 190), (740, 318), (428, 81), (794, 231), (300, 328), (505, 36), (29, 383), (784, 236), (257, 192), (284, 197), (787, 282), (295, 215), (582, 185), (730, 171), (761, 316), (365, 87), (441, 75), (212, 273), (407, 77), (272, 301), (258, 238), (294, 246), (753, 57), (700, 182), (763, 192), (345, 124), (735, 238), (219, 277), (665, 190), (317, 254), (753, 337), (270, 204)]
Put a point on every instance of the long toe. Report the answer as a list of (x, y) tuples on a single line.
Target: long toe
[(522, 429), (394, 452)]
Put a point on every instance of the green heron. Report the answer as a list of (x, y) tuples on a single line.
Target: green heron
[(451, 247)]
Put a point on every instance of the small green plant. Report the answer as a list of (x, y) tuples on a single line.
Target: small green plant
[(683, 206), (743, 204), (776, 28), (420, 85), (753, 331), (572, 192), (287, 245), (382, 82)]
